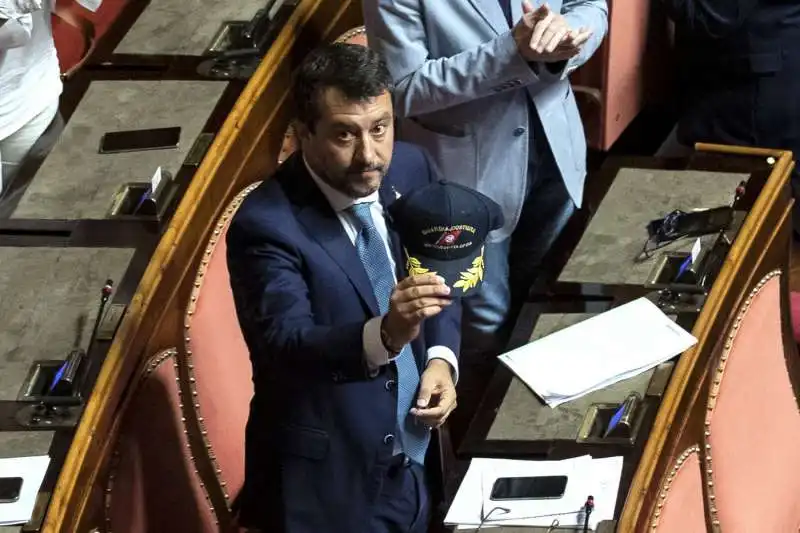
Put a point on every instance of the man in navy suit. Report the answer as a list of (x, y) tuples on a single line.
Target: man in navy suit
[(352, 368), (739, 76)]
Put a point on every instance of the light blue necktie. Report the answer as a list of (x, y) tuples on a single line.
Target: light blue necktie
[(371, 249)]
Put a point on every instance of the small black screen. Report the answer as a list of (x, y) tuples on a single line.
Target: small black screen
[(138, 140), (529, 488), (9, 489)]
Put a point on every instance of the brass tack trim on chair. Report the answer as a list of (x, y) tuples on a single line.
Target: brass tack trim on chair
[(230, 210), (713, 394), (151, 366), (346, 36), (667, 485)]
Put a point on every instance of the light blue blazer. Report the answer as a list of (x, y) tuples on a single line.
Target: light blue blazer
[(462, 91)]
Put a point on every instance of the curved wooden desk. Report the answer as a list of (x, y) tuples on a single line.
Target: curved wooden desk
[(246, 150)]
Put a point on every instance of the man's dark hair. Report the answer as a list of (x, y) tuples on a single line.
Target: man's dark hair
[(357, 71)]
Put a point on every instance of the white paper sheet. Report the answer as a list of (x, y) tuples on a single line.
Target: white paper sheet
[(593, 354), (586, 476), (32, 471)]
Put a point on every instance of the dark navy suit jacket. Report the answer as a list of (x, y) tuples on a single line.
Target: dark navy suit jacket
[(739, 64), (316, 440)]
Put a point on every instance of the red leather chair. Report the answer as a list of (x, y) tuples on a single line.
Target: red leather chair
[(152, 485), (681, 507), (795, 305), (752, 425), (219, 362)]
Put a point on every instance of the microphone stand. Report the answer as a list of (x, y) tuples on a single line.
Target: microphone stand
[(588, 508)]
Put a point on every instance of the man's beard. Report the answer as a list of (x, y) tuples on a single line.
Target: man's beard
[(356, 185)]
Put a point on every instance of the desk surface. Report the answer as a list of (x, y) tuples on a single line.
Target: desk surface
[(75, 181), (50, 299), (182, 27), (616, 233)]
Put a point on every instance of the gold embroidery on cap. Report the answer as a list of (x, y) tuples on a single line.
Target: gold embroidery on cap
[(415, 268), (471, 276)]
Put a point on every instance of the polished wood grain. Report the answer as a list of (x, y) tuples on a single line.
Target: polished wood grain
[(244, 151), (762, 245)]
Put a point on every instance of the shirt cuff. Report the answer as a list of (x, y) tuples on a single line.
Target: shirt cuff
[(375, 353), (443, 352)]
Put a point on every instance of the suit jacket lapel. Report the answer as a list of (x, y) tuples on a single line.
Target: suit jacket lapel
[(492, 13), (319, 218), (388, 194)]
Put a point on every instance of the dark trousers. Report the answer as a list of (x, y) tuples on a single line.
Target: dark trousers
[(403, 504)]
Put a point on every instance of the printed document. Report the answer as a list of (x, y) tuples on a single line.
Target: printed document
[(593, 354)]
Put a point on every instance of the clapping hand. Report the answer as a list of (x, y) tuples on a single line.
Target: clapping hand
[(543, 35)]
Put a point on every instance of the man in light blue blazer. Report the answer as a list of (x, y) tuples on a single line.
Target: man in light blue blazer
[(483, 86)]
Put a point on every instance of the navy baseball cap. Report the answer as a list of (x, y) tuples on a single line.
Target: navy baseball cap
[(443, 227)]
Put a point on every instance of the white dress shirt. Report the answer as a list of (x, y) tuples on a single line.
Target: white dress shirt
[(30, 76), (375, 352)]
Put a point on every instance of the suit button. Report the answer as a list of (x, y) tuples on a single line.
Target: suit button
[(519, 131), (388, 439), (389, 385)]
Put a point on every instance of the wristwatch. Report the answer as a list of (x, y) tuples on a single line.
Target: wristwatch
[(387, 342)]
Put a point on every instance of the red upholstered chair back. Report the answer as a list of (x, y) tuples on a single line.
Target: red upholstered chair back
[(219, 361), (153, 486), (752, 433), (682, 507)]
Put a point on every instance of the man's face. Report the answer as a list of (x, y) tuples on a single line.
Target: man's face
[(351, 146)]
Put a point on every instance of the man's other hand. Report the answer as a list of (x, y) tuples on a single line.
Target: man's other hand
[(436, 398), (413, 300), (543, 35)]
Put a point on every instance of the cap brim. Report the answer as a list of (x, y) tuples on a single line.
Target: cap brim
[(463, 275)]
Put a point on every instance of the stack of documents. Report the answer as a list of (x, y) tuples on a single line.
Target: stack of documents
[(32, 471), (598, 352), (473, 507)]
